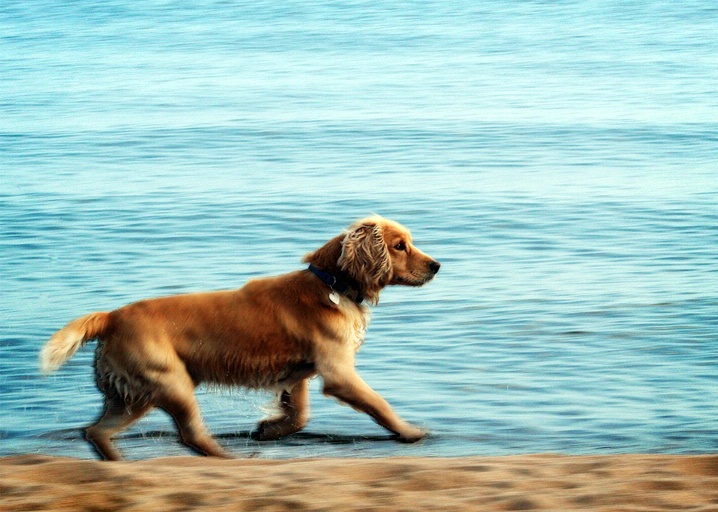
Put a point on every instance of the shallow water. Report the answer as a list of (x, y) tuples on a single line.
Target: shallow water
[(559, 159)]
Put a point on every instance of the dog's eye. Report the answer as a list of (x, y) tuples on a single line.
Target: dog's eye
[(401, 246)]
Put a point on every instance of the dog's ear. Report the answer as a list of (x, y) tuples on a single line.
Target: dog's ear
[(327, 256), (366, 259)]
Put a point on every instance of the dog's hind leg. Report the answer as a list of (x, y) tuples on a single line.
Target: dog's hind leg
[(176, 396), (116, 417), (294, 414)]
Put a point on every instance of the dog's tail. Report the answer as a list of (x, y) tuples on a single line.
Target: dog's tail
[(65, 342)]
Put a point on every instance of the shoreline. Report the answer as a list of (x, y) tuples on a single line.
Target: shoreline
[(631, 482)]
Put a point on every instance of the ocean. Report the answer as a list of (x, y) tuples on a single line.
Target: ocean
[(559, 158)]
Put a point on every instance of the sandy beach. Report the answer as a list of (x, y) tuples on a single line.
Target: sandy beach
[(529, 482)]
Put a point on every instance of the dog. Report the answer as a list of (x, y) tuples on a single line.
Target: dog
[(274, 333)]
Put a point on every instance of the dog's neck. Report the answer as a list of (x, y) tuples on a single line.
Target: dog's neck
[(339, 283), (327, 257)]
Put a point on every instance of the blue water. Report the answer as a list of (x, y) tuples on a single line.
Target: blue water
[(559, 158)]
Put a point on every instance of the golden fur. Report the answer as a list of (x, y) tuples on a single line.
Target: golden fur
[(273, 333)]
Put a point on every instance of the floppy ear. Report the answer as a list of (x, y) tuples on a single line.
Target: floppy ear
[(327, 256), (366, 259)]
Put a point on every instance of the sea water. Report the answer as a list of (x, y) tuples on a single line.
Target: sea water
[(559, 158)]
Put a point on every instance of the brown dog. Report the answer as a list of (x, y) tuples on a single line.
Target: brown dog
[(274, 333)]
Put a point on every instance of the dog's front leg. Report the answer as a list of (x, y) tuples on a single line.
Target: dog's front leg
[(349, 388)]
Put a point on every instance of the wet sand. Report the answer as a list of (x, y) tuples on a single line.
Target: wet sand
[(527, 482)]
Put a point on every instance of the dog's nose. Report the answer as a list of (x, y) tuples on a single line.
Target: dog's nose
[(434, 266)]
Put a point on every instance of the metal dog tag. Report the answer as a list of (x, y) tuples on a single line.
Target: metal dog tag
[(334, 297)]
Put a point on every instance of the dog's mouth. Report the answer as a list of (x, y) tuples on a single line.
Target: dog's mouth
[(413, 280), (417, 276)]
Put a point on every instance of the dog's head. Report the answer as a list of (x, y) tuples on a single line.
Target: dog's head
[(376, 252)]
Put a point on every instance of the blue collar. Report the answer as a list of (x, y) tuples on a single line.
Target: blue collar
[(337, 285)]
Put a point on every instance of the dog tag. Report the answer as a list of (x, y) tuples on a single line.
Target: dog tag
[(334, 297)]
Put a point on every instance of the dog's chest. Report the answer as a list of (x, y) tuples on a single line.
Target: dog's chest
[(356, 322)]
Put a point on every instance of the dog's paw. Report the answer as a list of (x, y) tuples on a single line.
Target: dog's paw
[(273, 429), (265, 432), (412, 435)]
